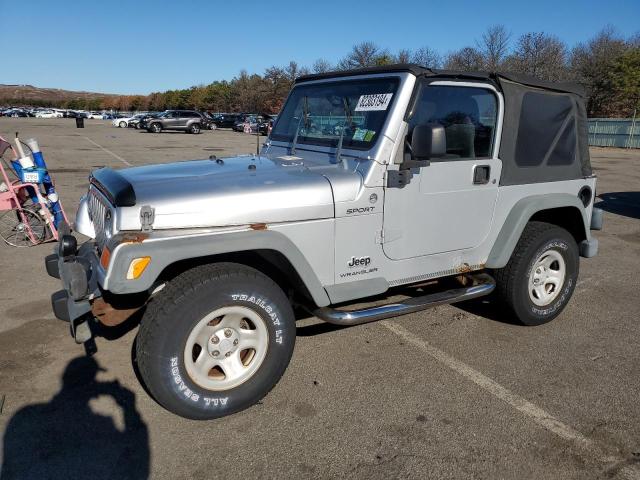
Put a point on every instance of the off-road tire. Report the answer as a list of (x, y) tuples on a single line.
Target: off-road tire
[(155, 128), (194, 128), (512, 281), (177, 309)]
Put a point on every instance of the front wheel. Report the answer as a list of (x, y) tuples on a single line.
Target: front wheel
[(215, 341), (541, 275), (122, 124), (155, 128), (194, 128)]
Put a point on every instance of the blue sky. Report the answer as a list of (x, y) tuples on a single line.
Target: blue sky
[(141, 46)]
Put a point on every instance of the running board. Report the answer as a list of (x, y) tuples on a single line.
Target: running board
[(483, 285)]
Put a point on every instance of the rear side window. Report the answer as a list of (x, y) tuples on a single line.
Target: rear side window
[(468, 115), (547, 130)]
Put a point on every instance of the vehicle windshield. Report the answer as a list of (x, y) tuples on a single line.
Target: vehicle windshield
[(320, 112)]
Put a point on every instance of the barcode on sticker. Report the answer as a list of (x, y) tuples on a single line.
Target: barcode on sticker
[(376, 101)]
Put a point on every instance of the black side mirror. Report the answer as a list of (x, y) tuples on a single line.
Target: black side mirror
[(428, 141)]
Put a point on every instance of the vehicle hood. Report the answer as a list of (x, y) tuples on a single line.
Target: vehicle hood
[(231, 191)]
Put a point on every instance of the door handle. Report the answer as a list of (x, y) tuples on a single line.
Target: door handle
[(481, 174)]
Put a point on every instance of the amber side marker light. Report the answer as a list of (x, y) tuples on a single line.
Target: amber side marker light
[(137, 267), (105, 257)]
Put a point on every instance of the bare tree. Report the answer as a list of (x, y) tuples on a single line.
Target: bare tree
[(539, 55), (427, 57), (591, 63), (403, 56), (466, 59), (292, 71), (362, 54), (321, 65), (494, 47)]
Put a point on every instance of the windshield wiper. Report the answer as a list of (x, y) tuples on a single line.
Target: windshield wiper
[(305, 116)]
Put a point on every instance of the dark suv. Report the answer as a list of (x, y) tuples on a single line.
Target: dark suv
[(226, 120), (186, 120)]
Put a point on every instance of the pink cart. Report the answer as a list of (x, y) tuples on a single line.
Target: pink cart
[(25, 218)]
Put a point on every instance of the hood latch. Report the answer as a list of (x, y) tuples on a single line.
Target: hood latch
[(146, 218)]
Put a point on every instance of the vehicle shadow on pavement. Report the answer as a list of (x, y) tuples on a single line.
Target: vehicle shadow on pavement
[(488, 308), (64, 438), (626, 204)]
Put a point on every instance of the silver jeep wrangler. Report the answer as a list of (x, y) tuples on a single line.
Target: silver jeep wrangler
[(371, 183)]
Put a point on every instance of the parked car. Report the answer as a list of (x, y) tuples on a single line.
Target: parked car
[(185, 120), (48, 114), (485, 183), (18, 113), (122, 122), (249, 122), (226, 120), (212, 125), (136, 122), (265, 127), (96, 115)]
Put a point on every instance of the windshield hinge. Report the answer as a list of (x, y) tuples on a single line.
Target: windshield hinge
[(398, 178), (146, 218)]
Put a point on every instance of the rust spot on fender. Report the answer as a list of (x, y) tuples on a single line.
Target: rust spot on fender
[(134, 237), (258, 226), (464, 268)]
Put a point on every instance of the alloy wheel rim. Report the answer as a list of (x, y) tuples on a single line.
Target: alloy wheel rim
[(547, 278)]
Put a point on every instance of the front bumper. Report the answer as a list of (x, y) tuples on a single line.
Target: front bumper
[(78, 274)]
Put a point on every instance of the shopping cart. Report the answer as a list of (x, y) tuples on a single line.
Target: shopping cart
[(28, 216)]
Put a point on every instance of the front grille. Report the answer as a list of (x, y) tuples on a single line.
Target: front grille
[(98, 206)]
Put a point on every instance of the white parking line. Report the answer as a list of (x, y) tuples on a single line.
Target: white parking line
[(535, 413), (110, 153)]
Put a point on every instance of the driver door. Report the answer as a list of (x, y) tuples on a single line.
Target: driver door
[(448, 205)]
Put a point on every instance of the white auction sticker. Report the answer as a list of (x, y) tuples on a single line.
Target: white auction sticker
[(31, 177), (376, 101)]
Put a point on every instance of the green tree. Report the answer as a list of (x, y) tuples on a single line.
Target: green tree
[(625, 76)]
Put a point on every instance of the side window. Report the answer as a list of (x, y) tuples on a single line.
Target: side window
[(468, 115)]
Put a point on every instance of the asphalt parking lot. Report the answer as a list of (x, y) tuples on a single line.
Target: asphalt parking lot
[(452, 392)]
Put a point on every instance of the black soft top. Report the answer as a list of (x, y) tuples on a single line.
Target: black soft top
[(544, 136), (418, 71)]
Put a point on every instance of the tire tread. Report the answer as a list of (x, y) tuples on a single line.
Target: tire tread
[(173, 294)]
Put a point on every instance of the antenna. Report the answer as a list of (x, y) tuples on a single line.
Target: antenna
[(257, 138)]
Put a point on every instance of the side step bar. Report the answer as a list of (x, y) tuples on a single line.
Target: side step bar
[(483, 285)]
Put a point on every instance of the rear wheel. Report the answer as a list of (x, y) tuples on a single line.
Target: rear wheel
[(22, 228), (215, 341), (541, 275)]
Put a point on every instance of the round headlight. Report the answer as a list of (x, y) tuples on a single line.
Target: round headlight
[(108, 224)]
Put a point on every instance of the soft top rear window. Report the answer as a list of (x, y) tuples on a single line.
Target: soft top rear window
[(543, 117)]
